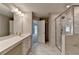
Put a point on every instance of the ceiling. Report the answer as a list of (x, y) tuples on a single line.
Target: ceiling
[(40, 9), (4, 10)]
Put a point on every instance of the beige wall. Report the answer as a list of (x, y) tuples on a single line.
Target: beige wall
[(4, 25), (52, 29)]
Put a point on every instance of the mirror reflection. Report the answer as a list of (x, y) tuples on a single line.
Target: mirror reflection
[(6, 21), (11, 19)]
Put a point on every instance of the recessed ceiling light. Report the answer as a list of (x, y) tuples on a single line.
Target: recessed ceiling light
[(67, 6)]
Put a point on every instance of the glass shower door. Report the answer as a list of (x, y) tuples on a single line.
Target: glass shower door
[(58, 34)]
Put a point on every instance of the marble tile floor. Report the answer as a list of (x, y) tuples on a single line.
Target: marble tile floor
[(43, 49)]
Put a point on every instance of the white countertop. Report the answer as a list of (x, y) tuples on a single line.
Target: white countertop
[(8, 42), (7, 37)]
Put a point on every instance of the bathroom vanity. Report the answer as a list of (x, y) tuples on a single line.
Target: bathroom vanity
[(15, 31), (16, 45)]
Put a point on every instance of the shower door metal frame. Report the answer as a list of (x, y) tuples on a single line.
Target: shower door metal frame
[(60, 35), (61, 25)]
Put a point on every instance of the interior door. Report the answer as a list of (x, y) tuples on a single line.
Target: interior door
[(41, 31)]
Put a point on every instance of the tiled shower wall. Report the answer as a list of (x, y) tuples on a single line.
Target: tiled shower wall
[(71, 42), (76, 20), (63, 22)]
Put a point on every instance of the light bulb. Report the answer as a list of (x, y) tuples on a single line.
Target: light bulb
[(22, 14), (19, 12), (14, 10)]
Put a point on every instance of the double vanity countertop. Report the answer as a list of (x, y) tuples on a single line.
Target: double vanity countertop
[(11, 40)]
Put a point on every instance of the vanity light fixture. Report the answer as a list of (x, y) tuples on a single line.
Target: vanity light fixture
[(14, 10), (19, 12), (22, 14)]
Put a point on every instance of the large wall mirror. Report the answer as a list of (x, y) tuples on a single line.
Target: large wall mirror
[(5, 18), (10, 22), (13, 21)]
